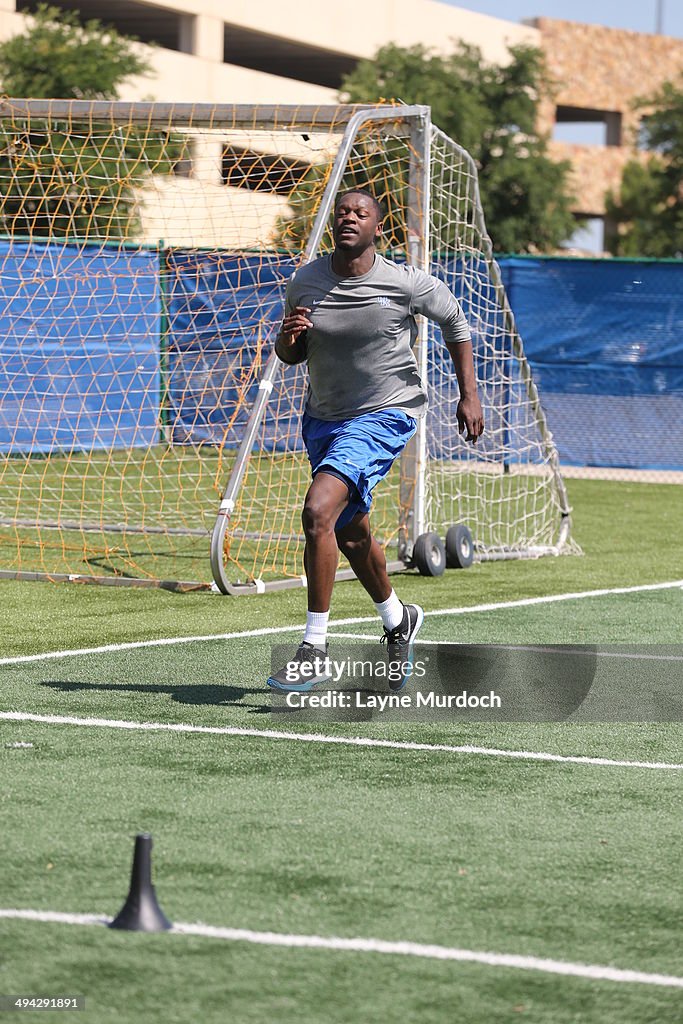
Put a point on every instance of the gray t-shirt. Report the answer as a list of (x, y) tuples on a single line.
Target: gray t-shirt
[(359, 349)]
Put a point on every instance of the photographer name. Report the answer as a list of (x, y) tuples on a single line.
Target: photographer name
[(347, 700)]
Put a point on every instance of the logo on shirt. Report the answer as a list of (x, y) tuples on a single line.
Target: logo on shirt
[(384, 300)]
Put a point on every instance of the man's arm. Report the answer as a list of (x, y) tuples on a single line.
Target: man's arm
[(433, 299), (469, 412), (290, 344)]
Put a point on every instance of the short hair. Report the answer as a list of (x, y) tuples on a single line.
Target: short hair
[(361, 192)]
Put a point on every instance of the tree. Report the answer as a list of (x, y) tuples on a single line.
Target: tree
[(71, 180), (648, 213), (61, 57), (491, 111)]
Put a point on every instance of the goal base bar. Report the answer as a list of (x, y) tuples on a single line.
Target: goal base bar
[(251, 587), (263, 587), (179, 586)]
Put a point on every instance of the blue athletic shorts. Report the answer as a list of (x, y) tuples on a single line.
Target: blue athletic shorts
[(361, 451)]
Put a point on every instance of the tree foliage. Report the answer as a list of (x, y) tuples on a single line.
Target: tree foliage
[(58, 56), (491, 112), (67, 179), (648, 212)]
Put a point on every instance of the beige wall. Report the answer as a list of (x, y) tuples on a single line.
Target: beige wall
[(198, 213), (181, 77), (595, 170), (359, 27), (605, 69)]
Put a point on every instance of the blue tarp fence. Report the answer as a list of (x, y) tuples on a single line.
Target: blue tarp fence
[(223, 313), (101, 347), (605, 342), (79, 348)]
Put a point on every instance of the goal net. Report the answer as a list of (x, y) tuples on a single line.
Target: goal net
[(147, 431)]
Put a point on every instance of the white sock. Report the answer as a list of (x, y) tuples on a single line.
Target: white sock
[(390, 611), (316, 629)]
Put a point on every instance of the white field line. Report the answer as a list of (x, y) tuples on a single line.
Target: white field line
[(594, 972), (268, 631), (345, 741), (161, 642), (533, 648)]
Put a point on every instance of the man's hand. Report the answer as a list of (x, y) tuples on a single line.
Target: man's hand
[(294, 325), (469, 413), (290, 345), (470, 417)]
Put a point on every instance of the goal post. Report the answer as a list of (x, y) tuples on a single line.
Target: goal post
[(508, 489), (148, 433)]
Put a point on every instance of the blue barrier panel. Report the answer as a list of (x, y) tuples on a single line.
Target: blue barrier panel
[(604, 338), (223, 313), (605, 342), (79, 348), (511, 435)]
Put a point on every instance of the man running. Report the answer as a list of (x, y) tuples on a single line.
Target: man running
[(351, 315)]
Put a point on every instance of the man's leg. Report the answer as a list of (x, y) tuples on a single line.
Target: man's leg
[(326, 499), (367, 560), (365, 556), (401, 622)]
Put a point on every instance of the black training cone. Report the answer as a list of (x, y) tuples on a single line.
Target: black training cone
[(141, 912)]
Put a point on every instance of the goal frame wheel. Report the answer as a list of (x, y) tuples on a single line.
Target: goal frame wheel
[(459, 547), (429, 555)]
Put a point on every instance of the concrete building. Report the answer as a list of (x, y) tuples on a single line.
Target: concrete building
[(296, 51), (599, 74), (292, 51)]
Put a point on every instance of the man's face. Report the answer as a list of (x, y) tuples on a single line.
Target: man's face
[(356, 224)]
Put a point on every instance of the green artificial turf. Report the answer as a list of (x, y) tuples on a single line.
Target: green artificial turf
[(547, 861), (133, 978), (630, 535), (567, 861)]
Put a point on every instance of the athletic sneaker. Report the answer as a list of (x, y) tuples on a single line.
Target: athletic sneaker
[(306, 669), (399, 641)]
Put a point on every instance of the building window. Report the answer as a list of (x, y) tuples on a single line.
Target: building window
[(285, 57), (585, 127), (588, 238), (156, 25)]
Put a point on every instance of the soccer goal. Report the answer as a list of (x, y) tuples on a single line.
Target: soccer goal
[(148, 434)]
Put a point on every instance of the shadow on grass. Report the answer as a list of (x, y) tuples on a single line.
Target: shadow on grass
[(215, 694)]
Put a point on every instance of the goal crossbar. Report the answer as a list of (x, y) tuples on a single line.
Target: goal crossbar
[(221, 116)]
